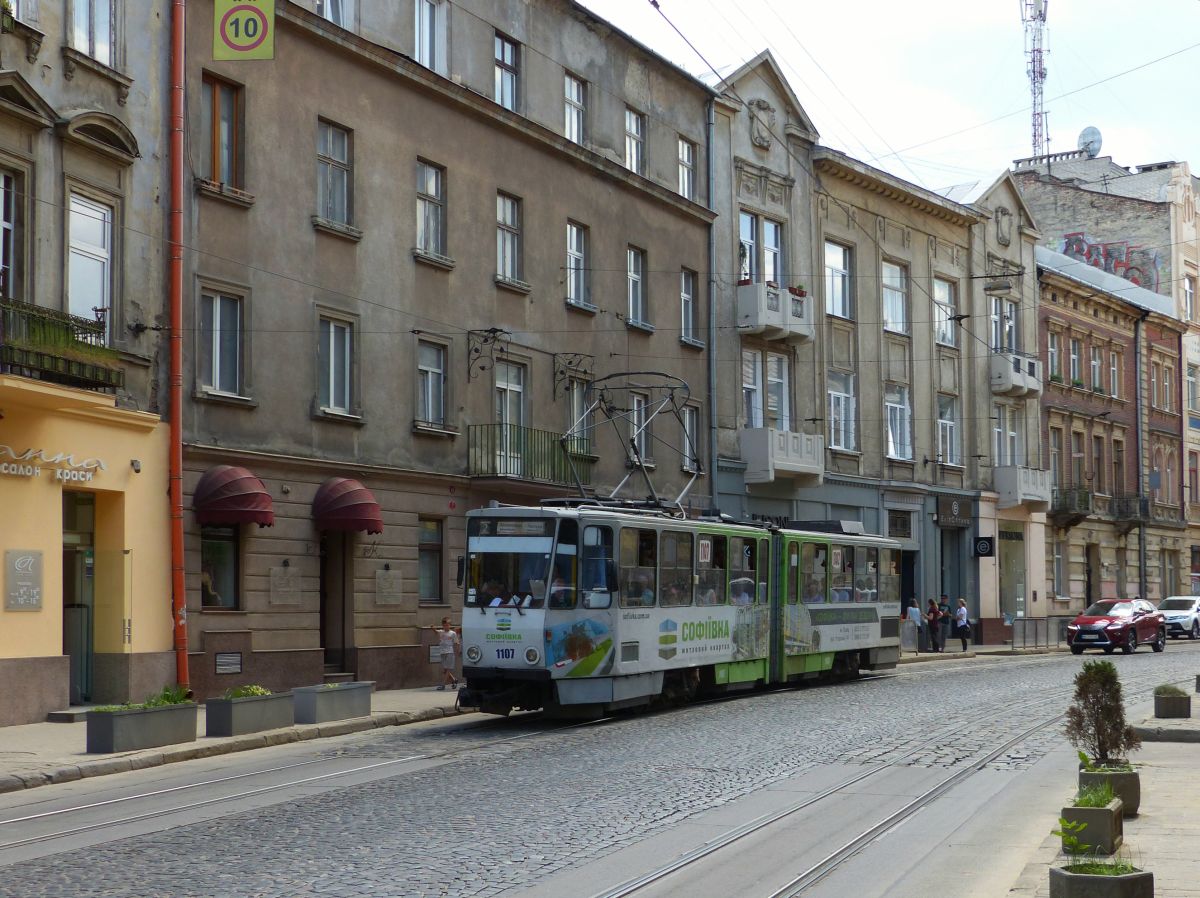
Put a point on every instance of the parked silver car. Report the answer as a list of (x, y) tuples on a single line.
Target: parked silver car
[(1182, 614)]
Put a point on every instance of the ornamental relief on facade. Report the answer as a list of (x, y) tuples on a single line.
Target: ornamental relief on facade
[(762, 123), (761, 184)]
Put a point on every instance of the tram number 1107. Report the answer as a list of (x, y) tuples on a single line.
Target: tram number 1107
[(506, 654)]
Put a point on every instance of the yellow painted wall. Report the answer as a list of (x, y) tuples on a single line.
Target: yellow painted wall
[(131, 514)]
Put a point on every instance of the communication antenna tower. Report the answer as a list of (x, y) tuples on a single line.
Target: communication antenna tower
[(1033, 14)]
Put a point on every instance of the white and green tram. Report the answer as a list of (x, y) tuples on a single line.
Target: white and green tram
[(587, 608)]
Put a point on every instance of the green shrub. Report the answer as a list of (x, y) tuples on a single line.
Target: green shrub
[(1097, 796), (1096, 718), (1102, 868), (248, 691), (1169, 689), (171, 695), (1068, 831)]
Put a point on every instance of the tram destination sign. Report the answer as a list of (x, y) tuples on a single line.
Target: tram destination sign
[(22, 580), (955, 512)]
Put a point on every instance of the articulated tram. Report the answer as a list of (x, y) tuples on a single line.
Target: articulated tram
[(584, 609)]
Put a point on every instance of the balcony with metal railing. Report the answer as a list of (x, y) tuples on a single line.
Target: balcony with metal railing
[(516, 452), (45, 344), (775, 313), (1015, 374), (1070, 505)]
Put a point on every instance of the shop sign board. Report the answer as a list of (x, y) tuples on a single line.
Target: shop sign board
[(955, 512), (61, 466), (22, 580)]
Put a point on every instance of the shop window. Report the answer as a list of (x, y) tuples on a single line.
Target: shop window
[(219, 575), (711, 570), (429, 559), (639, 550)]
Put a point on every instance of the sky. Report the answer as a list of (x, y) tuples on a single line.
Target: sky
[(891, 81)]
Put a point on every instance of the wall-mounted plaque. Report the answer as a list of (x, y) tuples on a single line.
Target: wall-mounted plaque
[(388, 588), (285, 586), (22, 580)]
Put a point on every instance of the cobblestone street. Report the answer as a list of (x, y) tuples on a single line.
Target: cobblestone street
[(493, 817)]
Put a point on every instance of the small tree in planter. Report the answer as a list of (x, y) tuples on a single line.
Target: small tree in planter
[(1096, 724), (1171, 701)]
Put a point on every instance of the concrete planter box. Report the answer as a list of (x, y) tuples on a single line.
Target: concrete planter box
[(1064, 884), (1126, 785), (113, 731), (253, 714), (337, 701), (1172, 706), (1105, 829)]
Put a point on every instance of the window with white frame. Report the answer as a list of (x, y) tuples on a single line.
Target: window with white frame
[(577, 270), (635, 141), (1076, 373), (334, 182), (639, 429), (1053, 350), (1077, 458), (748, 247), (508, 237), (1061, 586), (579, 420), (1098, 464), (221, 342), (574, 107), (90, 265), (339, 12), (1097, 366), (898, 414), (1155, 374), (760, 251), (10, 242), (689, 446), (945, 307), (839, 300), (778, 411), (1004, 320), (1056, 449), (508, 70), (1168, 389), (635, 281), (1189, 297), (1114, 375), (687, 304), (949, 452), (429, 560), (335, 364), (93, 30), (752, 388), (842, 411), (430, 31), (431, 383), (431, 208), (895, 298), (1006, 430), (772, 252), (1193, 390), (687, 168)]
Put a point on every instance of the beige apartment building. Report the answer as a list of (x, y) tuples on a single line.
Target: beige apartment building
[(420, 232)]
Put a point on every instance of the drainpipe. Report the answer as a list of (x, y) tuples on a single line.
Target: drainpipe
[(1139, 432), (710, 139), (175, 289)]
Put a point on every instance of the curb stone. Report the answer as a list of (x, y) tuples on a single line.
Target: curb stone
[(9, 783), (1167, 734)]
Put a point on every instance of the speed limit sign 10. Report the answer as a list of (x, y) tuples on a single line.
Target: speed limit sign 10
[(244, 29)]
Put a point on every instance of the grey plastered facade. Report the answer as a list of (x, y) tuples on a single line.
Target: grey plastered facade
[(261, 246)]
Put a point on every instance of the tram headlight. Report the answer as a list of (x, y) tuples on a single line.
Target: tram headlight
[(532, 655), (474, 653)]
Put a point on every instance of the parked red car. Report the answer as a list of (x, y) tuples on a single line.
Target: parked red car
[(1118, 623)]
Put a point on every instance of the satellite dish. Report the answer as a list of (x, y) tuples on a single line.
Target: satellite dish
[(1090, 141)]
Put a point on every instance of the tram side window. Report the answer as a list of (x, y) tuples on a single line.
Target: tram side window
[(597, 571), (639, 556), (764, 567), (793, 573), (676, 564), (889, 575), (841, 573), (742, 567), (563, 572), (866, 574), (814, 566), (711, 570)]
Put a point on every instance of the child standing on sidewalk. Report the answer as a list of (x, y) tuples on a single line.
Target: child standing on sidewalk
[(448, 642)]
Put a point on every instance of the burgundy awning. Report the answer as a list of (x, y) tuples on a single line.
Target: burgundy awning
[(228, 494), (345, 504)]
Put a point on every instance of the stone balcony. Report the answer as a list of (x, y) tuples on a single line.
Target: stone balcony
[(774, 313), (1017, 485), (1015, 374), (772, 455)]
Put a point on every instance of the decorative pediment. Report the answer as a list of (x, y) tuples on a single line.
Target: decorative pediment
[(99, 131), (20, 100), (761, 186)]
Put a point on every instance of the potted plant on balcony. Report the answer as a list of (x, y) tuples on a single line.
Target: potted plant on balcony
[(247, 709), (798, 290), (1056, 378), (1171, 701), (163, 719), (1096, 725), (1077, 382), (333, 701)]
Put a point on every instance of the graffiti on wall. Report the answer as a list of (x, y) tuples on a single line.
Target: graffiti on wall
[(1138, 264)]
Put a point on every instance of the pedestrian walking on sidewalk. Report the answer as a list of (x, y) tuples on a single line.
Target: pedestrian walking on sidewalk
[(933, 622), (962, 622), (448, 642), (913, 613)]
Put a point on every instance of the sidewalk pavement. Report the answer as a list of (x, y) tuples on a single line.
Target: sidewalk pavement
[(38, 754), (954, 652), (1163, 837)]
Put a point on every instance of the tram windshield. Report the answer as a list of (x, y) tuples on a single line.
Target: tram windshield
[(508, 561)]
